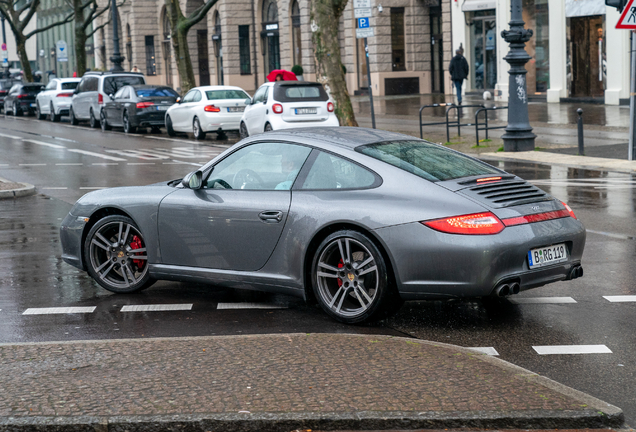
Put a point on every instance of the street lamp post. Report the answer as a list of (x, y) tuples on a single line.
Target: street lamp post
[(4, 38), (518, 136), (117, 59)]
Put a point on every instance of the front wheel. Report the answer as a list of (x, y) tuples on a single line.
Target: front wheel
[(116, 256), (38, 112), (16, 112), (71, 115), (350, 279), (196, 129), (169, 128), (128, 128), (243, 130)]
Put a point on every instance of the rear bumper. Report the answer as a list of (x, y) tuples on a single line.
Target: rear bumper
[(213, 122), (430, 264), (278, 123), (150, 119)]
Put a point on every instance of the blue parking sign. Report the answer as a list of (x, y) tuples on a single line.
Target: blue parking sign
[(363, 22)]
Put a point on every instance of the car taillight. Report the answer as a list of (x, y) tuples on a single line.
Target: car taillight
[(476, 224), (100, 98), (64, 95), (142, 105), (330, 106), (3, 92), (277, 108), (567, 207), (537, 217), (211, 108), (21, 96)]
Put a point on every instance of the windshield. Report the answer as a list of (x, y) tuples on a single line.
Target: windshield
[(226, 94), (159, 92), (69, 85), (302, 92), (429, 161), (112, 84), (32, 89)]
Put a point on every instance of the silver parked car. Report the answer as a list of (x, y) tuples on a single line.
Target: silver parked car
[(359, 219)]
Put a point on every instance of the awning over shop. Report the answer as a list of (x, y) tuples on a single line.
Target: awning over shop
[(477, 5)]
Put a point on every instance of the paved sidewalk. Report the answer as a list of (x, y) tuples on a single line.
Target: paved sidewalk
[(279, 383)]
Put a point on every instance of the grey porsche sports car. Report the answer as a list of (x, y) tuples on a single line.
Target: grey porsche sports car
[(358, 219)]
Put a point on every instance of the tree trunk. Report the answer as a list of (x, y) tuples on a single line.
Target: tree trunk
[(80, 43), (24, 59), (184, 63), (326, 14)]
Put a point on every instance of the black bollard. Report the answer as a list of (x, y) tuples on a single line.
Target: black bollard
[(580, 127)]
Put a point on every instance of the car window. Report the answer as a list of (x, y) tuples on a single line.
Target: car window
[(259, 95), (196, 97), (226, 94), (427, 160), (91, 84), (69, 85), (157, 92), (333, 172), (189, 97), (300, 93), (264, 166), (33, 89), (114, 83), (52, 85)]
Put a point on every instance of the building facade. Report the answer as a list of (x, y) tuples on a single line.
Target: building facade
[(577, 54), (241, 41)]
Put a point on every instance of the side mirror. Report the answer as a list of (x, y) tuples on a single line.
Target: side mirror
[(76, 91), (248, 101), (178, 100), (194, 180)]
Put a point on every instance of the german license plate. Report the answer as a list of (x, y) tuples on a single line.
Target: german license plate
[(235, 109), (306, 111), (162, 108), (547, 255), (33, 105)]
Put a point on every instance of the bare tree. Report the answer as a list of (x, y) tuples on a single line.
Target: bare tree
[(85, 13), (18, 14), (179, 27), (325, 16)]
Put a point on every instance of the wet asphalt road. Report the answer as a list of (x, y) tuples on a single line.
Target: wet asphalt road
[(64, 162)]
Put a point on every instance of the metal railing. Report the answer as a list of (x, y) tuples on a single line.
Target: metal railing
[(485, 125), (458, 123), (434, 123)]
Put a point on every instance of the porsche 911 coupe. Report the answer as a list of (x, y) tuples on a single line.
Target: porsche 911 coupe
[(358, 219)]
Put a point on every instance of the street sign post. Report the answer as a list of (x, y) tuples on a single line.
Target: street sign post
[(627, 21), (362, 12), (61, 51)]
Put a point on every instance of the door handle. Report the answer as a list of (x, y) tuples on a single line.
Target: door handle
[(271, 216)]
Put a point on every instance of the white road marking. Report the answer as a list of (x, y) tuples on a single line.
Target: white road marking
[(57, 188), (11, 136), (59, 310), (174, 163), (93, 187), (99, 155), (485, 350), (105, 164), (69, 164), (249, 306), (620, 299), (543, 300), (140, 163), (613, 235), (42, 143), (572, 349), (156, 308), (4, 165), (32, 164)]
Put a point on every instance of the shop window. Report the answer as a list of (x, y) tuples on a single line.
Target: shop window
[(397, 39), (151, 63), (244, 49)]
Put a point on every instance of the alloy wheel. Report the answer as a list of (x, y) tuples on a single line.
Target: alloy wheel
[(243, 131)]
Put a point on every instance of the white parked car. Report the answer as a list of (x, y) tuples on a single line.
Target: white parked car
[(55, 100), (287, 104), (207, 109)]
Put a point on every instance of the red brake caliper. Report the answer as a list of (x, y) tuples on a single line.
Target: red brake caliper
[(340, 265), (137, 244)]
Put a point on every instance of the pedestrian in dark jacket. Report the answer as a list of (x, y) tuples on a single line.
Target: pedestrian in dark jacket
[(459, 72)]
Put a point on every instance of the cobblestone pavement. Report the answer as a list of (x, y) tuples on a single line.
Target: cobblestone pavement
[(278, 382)]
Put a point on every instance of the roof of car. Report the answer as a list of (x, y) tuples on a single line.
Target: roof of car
[(207, 88), (149, 86), (349, 137), (67, 79)]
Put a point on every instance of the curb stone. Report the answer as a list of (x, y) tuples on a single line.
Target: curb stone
[(27, 190)]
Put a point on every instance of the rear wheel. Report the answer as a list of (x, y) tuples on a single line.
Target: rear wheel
[(104, 122), (196, 129), (71, 115), (38, 112), (128, 128), (93, 121), (350, 279), (268, 127), (243, 130), (52, 116), (169, 128), (16, 111), (116, 256)]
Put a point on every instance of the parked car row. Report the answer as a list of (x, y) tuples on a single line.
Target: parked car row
[(125, 100)]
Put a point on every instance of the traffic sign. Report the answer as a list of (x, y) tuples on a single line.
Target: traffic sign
[(628, 17), (362, 33), (363, 23), (362, 12), (61, 52), (361, 4), (4, 47)]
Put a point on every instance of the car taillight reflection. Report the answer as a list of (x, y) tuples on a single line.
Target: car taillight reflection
[(330, 106), (277, 108), (211, 108), (142, 105)]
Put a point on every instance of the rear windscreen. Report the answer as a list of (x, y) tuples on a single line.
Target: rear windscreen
[(226, 94), (32, 89), (69, 85), (157, 92), (113, 84), (300, 93), (429, 161)]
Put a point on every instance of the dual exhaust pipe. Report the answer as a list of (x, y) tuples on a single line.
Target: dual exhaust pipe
[(575, 272), (506, 289)]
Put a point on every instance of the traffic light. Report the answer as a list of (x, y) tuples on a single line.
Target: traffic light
[(618, 4)]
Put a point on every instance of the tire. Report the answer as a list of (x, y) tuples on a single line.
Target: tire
[(268, 127), (92, 121), (355, 288), (169, 128), (243, 131), (16, 111), (115, 265), (155, 129), (103, 122), (71, 115), (128, 128), (38, 112), (52, 116), (196, 129)]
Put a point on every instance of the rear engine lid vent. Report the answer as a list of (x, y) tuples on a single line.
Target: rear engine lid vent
[(506, 193)]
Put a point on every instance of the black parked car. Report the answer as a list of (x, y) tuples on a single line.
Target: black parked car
[(21, 98), (5, 86), (136, 106)]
